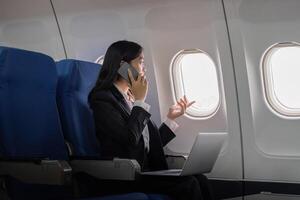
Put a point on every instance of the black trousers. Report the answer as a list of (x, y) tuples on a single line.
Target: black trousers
[(195, 187)]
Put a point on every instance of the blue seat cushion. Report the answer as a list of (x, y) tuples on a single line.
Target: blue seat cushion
[(76, 79), (29, 120)]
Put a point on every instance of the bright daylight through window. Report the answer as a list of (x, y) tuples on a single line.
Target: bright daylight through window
[(281, 75), (194, 74)]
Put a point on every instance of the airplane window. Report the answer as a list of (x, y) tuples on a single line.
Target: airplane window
[(193, 73), (281, 75), (100, 60)]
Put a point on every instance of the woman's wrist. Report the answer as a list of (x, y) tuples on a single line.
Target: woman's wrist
[(172, 124), (142, 104), (171, 118)]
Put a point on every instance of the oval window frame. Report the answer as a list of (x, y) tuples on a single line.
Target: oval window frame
[(266, 76), (175, 84)]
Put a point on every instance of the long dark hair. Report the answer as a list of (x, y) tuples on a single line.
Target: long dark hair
[(118, 51)]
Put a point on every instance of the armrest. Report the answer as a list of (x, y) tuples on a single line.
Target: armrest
[(51, 172), (176, 161), (116, 169)]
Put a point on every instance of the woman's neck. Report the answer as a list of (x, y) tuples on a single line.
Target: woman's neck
[(122, 85)]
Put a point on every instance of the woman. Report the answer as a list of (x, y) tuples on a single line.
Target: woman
[(125, 130)]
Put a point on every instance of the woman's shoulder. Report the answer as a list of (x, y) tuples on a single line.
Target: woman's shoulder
[(111, 95), (101, 95)]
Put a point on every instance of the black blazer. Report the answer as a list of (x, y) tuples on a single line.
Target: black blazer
[(119, 131)]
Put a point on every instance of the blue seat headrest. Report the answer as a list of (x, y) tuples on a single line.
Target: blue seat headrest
[(29, 120), (76, 80)]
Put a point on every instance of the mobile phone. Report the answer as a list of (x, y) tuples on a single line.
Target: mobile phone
[(123, 71)]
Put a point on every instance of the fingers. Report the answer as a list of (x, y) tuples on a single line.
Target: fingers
[(185, 99), (188, 104), (130, 95), (184, 103), (191, 103), (179, 109), (142, 79), (139, 78), (145, 81), (181, 105)]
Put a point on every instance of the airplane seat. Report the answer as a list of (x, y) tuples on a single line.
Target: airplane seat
[(76, 79), (28, 86), (32, 147), (33, 153), (73, 87)]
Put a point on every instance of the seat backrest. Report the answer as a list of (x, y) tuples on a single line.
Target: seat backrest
[(29, 120), (76, 79)]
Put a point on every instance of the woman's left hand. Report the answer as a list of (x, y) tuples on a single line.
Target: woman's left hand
[(179, 108)]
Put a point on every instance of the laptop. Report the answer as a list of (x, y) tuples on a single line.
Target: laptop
[(202, 157)]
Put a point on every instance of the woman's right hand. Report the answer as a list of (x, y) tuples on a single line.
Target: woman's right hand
[(138, 87)]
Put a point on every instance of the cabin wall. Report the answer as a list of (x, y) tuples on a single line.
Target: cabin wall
[(89, 28), (270, 142), (23, 26)]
